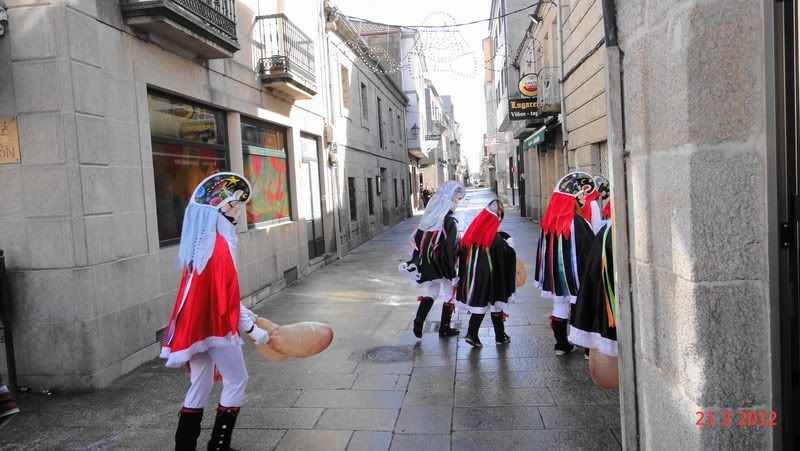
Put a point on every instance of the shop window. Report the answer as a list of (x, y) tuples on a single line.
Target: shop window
[(188, 145), (265, 165)]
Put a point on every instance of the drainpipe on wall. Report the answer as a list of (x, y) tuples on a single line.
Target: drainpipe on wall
[(618, 159), (564, 134), (331, 112)]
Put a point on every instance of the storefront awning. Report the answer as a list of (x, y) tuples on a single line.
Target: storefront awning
[(534, 139)]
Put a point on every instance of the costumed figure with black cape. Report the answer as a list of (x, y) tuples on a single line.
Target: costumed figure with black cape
[(433, 256), (207, 321), (487, 269), (563, 245), (594, 319)]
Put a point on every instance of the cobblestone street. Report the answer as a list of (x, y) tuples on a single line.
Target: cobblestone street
[(434, 394)]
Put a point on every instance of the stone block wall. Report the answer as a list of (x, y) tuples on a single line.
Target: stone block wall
[(694, 111), (584, 89), (90, 282)]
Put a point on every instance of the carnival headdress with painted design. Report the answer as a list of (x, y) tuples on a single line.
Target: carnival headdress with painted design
[(483, 228), (602, 185), (200, 219), (604, 188), (561, 208)]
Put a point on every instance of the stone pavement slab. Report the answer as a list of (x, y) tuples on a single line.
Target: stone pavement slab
[(440, 394)]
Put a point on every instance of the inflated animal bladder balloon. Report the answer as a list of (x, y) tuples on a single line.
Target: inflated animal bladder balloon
[(522, 274), (604, 370), (294, 340)]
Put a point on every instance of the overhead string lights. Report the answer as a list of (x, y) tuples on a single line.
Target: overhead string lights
[(438, 40)]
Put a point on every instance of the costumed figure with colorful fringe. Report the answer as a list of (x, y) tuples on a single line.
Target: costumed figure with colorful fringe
[(434, 248), (207, 321), (564, 242), (594, 319), (487, 273)]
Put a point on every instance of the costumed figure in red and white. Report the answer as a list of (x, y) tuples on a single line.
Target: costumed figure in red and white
[(563, 245), (207, 321), (434, 249)]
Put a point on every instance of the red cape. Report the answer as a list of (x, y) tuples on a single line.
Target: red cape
[(209, 316)]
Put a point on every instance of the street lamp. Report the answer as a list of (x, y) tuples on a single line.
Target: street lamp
[(414, 132)]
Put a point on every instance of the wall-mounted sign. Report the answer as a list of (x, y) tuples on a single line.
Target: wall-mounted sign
[(9, 141), (522, 109), (529, 85), (534, 140)]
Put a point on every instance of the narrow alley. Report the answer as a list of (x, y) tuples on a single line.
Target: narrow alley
[(432, 394)]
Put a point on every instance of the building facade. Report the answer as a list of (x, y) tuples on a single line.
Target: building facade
[(706, 282), (370, 126), (582, 47), (121, 109)]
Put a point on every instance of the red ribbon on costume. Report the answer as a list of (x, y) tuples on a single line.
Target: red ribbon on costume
[(482, 230), (607, 210), (587, 204), (559, 214), (501, 315)]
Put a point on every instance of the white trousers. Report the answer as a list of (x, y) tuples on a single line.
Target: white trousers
[(230, 363), (440, 289)]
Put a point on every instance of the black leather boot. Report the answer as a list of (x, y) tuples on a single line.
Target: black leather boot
[(559, 326), (444, 325), (425, 304), (475, 321), (188, 429), (223, 429), (500, 335)]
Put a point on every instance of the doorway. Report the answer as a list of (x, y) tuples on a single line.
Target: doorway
[(310, 197), (788, 171)]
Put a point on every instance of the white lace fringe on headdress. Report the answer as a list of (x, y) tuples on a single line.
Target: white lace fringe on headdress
[(198, 235), (439, 205)]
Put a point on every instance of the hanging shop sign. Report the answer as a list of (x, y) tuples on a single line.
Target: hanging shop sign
[(529, 85), (9, 141), (522, 109)]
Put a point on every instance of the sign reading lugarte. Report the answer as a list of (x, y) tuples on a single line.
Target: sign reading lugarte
[(519, 109), (9, 141)]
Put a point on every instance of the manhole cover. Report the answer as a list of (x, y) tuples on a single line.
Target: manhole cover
[(389, 354)]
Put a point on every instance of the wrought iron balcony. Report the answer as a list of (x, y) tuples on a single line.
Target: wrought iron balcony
[(287, 57), (205, 28)]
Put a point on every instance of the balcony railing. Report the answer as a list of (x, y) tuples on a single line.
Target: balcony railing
[(287, 57), (205, 27)]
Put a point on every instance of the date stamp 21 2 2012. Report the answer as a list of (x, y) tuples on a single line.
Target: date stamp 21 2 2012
[(736, 418)]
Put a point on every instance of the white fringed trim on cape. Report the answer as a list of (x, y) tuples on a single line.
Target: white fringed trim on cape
[(593, 340), (497, 307), (179, 358)]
